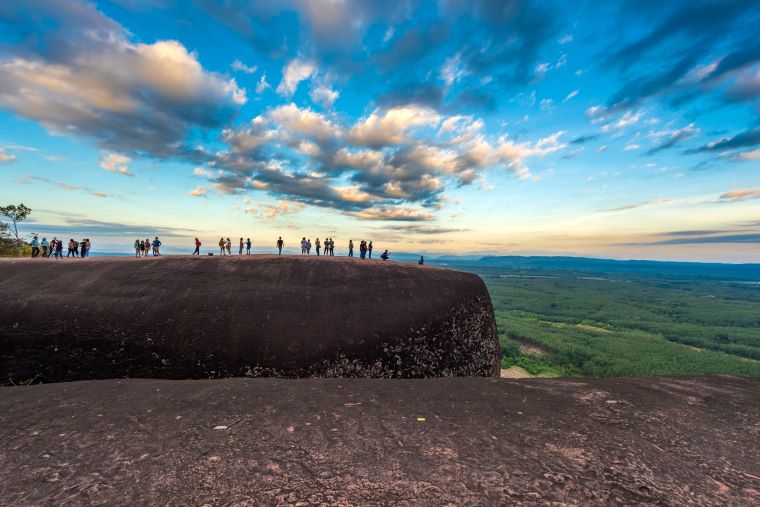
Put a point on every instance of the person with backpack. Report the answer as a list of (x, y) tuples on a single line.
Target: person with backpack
[(248, 246), (197, 250), (156, 247), (72, 248), (138, 248), (363, 249), (280, 244)]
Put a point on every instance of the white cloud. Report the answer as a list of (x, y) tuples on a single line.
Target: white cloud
[(116, 162), (324, 96), (239, 66), (303, 122), (547, 104), (565, 39), (571, 95), (6, 157), (631, 147), (262, 85), (452, 70), (389, 127), (199, 192), (295, 72), (541, 70), (601, 149)]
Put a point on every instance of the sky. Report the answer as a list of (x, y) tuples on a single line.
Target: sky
[(606, 129)]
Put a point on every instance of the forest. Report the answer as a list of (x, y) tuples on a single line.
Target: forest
[(597, 319)]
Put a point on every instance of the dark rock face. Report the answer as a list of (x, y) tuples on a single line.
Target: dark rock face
[(623, 441), (199, 317)]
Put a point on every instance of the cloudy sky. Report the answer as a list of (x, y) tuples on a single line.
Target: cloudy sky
[(613, 129)]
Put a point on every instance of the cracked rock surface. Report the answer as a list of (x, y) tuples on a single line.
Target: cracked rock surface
[(443, 441)]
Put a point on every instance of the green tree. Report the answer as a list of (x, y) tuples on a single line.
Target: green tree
[(14, 214)]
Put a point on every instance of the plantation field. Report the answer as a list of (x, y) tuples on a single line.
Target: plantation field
[(612, 322)]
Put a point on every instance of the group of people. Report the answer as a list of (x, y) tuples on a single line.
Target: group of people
[(225, 246), (54, 248), (364, 249), (329, 246), (145, 246)]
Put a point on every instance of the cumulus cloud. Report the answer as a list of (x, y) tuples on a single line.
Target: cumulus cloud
[(85, 76), (116, 162), (295, 72), (199, 192), (324, 95), (386, 161)]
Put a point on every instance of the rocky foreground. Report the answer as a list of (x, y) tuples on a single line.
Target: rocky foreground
[(463, 441)]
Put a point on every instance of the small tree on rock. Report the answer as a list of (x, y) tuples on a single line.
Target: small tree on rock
[(14, 214)]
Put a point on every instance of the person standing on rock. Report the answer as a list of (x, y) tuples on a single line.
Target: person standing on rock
[(35, 246), (147, 246), (280, 244), (156, 247), (83, 249), (59, 249), (87, 245), (369, 249), (303, 246), (229, 246), (221, 246), (332, 247), (316, 246), (350, 248), (138, 248), (197, 250), (240, 252), (248, 246), (44, 244)]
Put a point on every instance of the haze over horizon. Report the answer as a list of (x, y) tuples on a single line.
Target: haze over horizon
[(618, 129)]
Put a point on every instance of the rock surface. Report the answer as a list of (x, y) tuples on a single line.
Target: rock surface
[(642, 441), (200, 317)]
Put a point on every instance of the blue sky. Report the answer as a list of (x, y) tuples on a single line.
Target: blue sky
[(615, 129)]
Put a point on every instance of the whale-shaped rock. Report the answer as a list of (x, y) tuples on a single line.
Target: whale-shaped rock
[(281, 316)]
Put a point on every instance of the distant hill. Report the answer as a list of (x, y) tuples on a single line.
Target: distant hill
[(739, 272)]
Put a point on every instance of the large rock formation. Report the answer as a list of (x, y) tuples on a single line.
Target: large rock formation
[(644, 441), (195, 317)]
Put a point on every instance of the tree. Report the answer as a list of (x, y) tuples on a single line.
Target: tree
[(16, 214), (8, 244)]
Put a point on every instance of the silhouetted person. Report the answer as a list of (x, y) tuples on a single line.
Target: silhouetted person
[(317, 246), (156, 247), (248, 246), (280, 244), (350, 248), (83, 249), (138, 248), (229, 246), (197, 250), (303, 246), (421, 261), (308, 246), (221, 246), (369, 249), (240, 252), (385, 255)]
